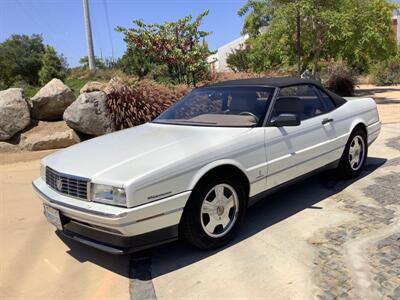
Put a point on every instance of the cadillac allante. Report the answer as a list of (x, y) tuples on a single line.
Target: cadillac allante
[(194, 170)]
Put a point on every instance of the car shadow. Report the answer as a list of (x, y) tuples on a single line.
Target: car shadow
[(265, 213)]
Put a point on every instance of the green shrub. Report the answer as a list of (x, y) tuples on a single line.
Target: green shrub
[(78, 77), (238, 60), (29, 90), (53, 66), (21, 59), (135, 62), (387, 72)]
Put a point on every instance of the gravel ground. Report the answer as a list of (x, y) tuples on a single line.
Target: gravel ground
[(333, 273)]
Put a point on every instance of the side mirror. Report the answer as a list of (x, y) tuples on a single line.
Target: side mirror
[(286, 120)]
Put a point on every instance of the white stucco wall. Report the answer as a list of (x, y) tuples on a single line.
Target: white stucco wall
[(398, 25), (217, 61)]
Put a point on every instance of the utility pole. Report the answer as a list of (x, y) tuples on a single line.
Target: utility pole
[(89, 40)]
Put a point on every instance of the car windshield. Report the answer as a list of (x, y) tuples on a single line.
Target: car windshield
[(220, 106)]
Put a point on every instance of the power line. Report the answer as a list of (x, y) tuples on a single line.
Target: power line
[(109, 28), (97, 32), (51, 34)]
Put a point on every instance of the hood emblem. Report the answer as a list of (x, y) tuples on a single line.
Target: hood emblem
[(59, 184)]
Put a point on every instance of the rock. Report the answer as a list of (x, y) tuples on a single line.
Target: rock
[(93, 86), (6, 147), (14, 113), (48, 135), (51, 100), (89, 114)]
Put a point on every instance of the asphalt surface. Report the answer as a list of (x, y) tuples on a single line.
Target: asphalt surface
[(322, 238)]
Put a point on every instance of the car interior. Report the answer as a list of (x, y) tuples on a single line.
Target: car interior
[(300, 100)]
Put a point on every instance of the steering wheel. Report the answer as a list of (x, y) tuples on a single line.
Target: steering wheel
[(247, 113)]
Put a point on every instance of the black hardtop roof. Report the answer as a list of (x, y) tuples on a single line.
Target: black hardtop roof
[(272, 81), (278, 82)]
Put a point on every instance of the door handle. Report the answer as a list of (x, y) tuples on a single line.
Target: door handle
[(327, 120)]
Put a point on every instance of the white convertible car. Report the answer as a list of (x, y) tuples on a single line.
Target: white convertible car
[(193, 171)]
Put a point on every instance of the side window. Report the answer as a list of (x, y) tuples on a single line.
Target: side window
[(327, 100), (310, 103)]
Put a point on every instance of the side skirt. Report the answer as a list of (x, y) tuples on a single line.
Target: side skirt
[(260, 196)]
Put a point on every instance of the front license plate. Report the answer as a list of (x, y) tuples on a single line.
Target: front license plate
[(53, 216)]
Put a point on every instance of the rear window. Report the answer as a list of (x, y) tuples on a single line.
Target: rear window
[(327, 100)]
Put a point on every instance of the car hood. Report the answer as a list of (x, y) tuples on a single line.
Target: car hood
[(131, 153)]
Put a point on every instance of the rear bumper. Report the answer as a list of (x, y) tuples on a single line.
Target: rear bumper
[(373, 132), (115, 229)]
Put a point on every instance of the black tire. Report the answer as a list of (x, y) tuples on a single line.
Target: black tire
[(345, 167), (191, 229)]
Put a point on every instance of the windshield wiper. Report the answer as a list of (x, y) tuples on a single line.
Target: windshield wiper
[(185, 121), (198, 122)]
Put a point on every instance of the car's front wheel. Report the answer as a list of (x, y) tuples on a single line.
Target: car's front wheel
[(214, 212)]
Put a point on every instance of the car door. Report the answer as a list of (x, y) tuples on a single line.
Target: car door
[(337, 124), (296, 150)]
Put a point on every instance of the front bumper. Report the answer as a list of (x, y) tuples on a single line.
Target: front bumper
[(115, 229)]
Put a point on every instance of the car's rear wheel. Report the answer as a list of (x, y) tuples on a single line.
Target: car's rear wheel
[(214, 212), (355, 154)]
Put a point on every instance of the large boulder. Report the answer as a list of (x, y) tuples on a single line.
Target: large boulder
[(93, 86), (48, 135), (51, 100), (7, 147), (14, 113), (89, 114)]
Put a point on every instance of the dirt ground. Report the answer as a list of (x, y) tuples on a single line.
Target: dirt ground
[(387, 98), (324, 238)]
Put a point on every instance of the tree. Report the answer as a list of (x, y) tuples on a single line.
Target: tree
[(84, 62), (357, 31), (258, 14), (53, 66), (135, 62), (365, 36), (21, 59), (178, 45), (238, 60)]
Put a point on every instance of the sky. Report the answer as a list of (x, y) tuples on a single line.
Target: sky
[(62, 26)]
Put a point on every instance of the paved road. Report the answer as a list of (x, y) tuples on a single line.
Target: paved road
[(323, 237)]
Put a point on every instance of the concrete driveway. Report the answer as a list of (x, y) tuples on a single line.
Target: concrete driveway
[(322, 238)]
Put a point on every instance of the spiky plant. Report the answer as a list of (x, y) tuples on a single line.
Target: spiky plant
[(132, 104)]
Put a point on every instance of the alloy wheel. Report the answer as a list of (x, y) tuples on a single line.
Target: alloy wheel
[(219, 210), (356, 152)]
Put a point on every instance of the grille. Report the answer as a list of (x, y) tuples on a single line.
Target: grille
[(67, 184)]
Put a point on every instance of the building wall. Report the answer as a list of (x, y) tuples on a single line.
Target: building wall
[(396, 24), (217, 61)]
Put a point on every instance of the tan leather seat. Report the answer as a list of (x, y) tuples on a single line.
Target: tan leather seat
[(288, 105)]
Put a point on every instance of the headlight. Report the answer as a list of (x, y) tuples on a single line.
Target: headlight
[(108, 194), (43, 172)]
